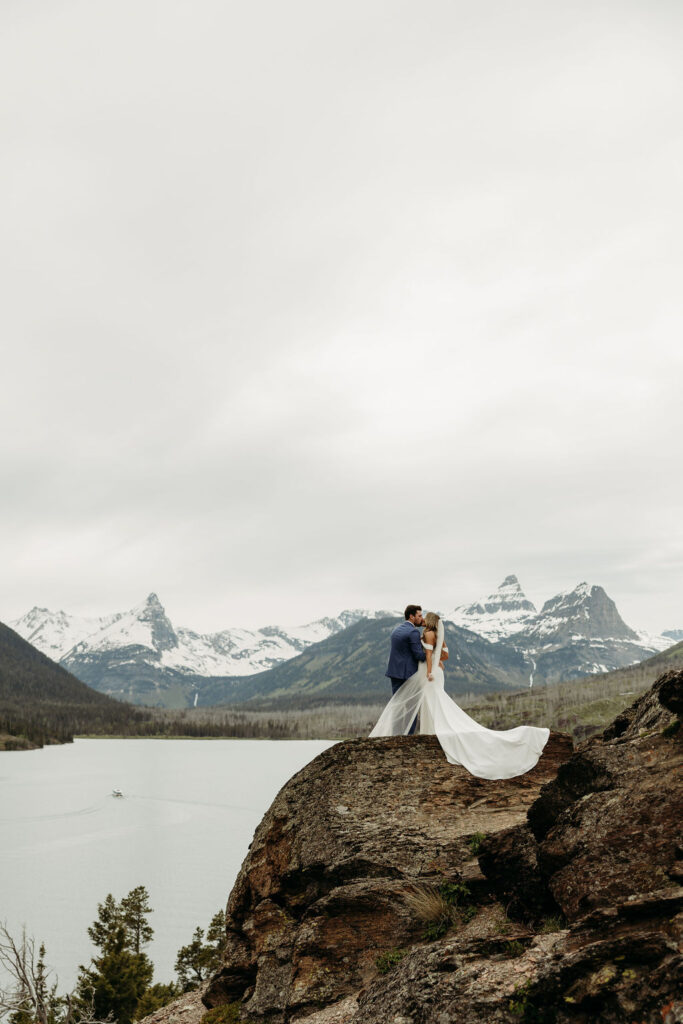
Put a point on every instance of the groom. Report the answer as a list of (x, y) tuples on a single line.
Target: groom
[(406, 650)]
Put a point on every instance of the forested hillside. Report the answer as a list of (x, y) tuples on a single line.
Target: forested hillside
[(40, 702)]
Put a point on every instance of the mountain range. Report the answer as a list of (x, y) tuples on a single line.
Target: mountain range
[(501, 641)]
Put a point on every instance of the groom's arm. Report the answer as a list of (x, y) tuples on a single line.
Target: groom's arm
[(418, 649)]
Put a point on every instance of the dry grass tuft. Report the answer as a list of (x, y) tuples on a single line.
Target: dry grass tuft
[(427, 904)]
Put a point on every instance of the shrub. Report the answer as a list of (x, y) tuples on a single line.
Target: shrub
[(554, 923), (514, 948), (386, 961), (227, 1014), (436, 929), (475, 842)]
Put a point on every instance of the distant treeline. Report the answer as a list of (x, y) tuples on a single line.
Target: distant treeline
[(337, 721), (40, 702), (44, 722)]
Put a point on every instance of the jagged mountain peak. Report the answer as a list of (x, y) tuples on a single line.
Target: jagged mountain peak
[(584, 612), (581, 592), (502, 613), (510, 590), (150, 606), (138, 653), (53, 633), (146, 625)]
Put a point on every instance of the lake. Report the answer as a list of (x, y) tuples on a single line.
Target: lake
[(182, 829)]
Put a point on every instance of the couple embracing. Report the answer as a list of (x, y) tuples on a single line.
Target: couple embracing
[(420, 700)]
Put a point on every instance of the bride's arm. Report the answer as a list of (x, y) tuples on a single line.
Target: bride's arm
[(430, 638)]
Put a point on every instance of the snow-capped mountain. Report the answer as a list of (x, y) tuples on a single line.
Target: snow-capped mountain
[(577, 632), (141, 656), (584, 613), (580, 632), (498, 616), (54, 633), (137, 654)]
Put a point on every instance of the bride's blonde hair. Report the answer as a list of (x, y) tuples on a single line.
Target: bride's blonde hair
[(431, 621)]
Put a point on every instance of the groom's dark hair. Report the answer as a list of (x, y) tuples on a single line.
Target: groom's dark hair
[(411, 609)]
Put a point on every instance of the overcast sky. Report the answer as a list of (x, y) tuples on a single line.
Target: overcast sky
[(314, 305)]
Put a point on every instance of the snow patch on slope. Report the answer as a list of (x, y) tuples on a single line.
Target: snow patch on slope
[(150, 637), (55, 633)]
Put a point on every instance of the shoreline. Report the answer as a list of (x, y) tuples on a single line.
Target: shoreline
[(22, 746)]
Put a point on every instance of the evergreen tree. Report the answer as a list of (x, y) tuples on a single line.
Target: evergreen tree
[(117, 980), (134, 909), (198, 959), (193, 960), (216, 935), (109, 920), (154, 998), (49, 1005)]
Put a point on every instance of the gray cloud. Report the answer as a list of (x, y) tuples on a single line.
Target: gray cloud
[(313, 305)]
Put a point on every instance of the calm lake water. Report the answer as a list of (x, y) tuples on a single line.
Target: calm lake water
[(189, 812)]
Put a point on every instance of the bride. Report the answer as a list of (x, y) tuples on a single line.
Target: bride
[(486, 753)]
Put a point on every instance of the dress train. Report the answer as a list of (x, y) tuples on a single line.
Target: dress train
[(485, 753)]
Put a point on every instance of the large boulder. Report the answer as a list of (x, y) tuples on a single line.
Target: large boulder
[(322, 892), (574, 904)]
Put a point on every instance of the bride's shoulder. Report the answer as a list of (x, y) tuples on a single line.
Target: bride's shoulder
[(429, 638)]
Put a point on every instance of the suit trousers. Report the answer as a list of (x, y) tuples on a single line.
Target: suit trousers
[(395, 684)]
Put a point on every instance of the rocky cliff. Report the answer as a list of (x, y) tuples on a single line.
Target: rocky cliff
[(384, 885)]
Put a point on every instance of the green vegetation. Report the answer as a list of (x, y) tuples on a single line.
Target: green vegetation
[(436, 929), (227, 1014), (458, 897), (387, 961), (514, 949), (440, 908), (475, 842), (199, 959), (40, 702), (553, 923), (116, 986), (454, 893), (116, 980), (519, 1005)]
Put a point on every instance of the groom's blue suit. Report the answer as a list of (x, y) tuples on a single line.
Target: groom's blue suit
[(406, 652)]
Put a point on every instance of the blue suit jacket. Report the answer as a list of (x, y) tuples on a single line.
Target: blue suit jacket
[(406, 651)]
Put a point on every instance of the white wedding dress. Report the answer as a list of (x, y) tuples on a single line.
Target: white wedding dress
[(486, 753)]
